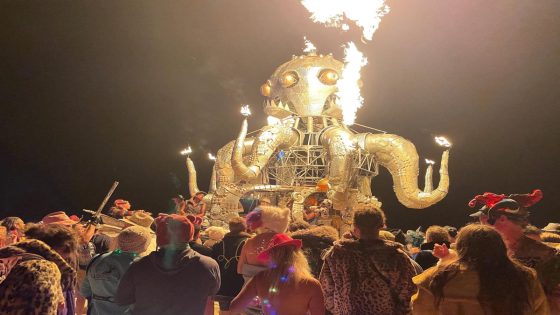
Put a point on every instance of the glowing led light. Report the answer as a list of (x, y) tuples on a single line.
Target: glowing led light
[(349, 97), (186, 151), (309, 47), (442, 141), (211, 157), (245, 110), (430, 162), (366, 14)]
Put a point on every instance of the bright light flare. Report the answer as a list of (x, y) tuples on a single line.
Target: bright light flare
[(430, 162), (442, 141), (273, 121), (309, 47), (349, 97), (245, 110), (367, 14), (211, 157), (186, 151)]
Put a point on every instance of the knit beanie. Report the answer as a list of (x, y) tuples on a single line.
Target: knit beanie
[(173, 229), (134, 239)]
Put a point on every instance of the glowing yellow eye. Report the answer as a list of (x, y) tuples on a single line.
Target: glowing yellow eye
[(289, 79), (328, 76), (265, 89)]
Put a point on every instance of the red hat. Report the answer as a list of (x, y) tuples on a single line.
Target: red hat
[(278, 240), (173, 229), (58, 217), (119, 202)]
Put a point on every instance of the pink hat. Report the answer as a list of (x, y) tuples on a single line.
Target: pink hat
[(59, 217), (279, 240)]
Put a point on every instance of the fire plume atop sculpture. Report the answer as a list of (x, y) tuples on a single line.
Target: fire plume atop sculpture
[(307, 154)]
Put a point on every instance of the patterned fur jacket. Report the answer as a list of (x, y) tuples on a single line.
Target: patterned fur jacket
[(367, 277), (316, 241), (36, 283)]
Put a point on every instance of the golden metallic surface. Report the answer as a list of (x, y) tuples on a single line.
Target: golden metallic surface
[(193, 186), (289, 79), (328, 76), (308, 96), (307, 146), (400, 158), (270, 139), (265, 89)]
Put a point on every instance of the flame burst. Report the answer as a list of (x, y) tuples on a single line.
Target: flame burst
[(309, 47), (349, 97), (367, 14)]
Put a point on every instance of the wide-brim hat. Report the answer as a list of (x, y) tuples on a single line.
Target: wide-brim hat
[(279, 240), (552, 227), (134, 239), (140, 218), (58, 217)]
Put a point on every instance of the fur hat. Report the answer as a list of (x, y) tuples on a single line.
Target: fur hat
[(134, 239), (274, 218), (216, 233)]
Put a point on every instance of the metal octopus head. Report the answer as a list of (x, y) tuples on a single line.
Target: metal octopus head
[(304, 86)]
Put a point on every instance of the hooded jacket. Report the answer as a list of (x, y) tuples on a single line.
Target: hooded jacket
[(37, 285), (169, 282), (315, 241), (367, 277)]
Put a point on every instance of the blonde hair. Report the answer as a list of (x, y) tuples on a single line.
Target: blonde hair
[(288, 265)]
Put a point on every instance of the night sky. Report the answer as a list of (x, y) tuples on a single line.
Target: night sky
[(96, 91)]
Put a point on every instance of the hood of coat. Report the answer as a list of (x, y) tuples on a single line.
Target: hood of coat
[(318, 234), (68, 279), (366, 246)]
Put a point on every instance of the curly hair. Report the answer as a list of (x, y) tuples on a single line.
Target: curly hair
[(437, 234), (60, 238), (503, 282)]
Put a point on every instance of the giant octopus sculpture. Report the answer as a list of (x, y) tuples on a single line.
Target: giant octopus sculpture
[(307, 143)]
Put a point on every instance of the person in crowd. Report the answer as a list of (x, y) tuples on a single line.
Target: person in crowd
[(316, 240), (86, 246), (145, 220), (196, 242), (287, 287), (435, 234), (120, 209), (311, 214), (226, 253), (64, 241), (215, 234), (367, 275), (173, 280), (452, 231), (106, 270), (195, 206), (266, 222), (481, 280), (509, 215), (15, 227), (533, 232), (3, 237), (33, 277), (298, 224)]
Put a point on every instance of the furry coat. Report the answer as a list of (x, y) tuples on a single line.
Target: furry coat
[(316, 241), (367, 277)]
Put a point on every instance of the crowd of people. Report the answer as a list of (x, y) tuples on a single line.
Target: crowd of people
[(271, 263)]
